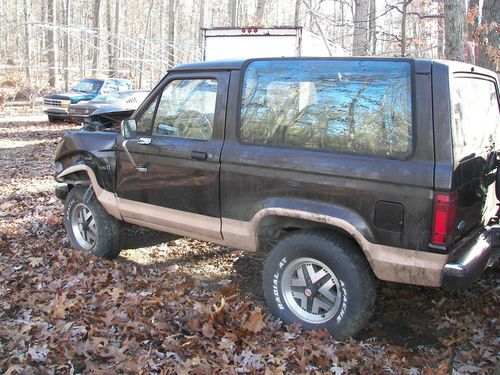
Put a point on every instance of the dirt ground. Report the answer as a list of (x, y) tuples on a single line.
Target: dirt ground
[(56, 307)]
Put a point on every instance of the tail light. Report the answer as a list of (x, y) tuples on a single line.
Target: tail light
[(445, 216)]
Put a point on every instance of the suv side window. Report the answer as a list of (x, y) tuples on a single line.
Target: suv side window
[(186, 109), (331, 105)]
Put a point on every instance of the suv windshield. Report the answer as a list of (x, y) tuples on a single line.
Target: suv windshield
[(88, 86)]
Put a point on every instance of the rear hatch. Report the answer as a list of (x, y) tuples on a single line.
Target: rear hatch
[(475, 120)]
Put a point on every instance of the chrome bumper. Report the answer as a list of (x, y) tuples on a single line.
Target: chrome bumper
[(469, 261)]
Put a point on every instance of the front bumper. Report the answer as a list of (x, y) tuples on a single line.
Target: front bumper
[(61, 190), (468, 262)]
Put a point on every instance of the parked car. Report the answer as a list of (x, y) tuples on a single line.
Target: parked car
[(56, 106), (124, 101), (348, 169)]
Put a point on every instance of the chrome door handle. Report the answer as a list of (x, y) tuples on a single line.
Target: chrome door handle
[(144, 141), (138, 168)]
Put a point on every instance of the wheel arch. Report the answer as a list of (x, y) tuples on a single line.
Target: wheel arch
[(106, 198), (281, 216)]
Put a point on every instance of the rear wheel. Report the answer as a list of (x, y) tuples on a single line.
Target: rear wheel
[(321, 281), (90, 228)]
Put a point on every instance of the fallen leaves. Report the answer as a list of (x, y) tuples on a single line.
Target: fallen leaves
[(65, 312), (255, 322)]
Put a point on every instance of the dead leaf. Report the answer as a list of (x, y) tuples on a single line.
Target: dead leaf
[(208, 330), (35, 262), (254, 323), (38, 353)]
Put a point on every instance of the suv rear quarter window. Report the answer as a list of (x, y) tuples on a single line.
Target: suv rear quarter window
[(475, 116), (331, 105)]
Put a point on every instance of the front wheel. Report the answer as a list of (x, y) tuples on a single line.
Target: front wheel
[(321, 281), (55, 119), (90, 228)]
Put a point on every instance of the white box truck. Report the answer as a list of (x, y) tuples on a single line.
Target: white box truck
[(251, 42)]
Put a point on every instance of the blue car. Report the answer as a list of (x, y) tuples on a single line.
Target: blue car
[(56, 106)]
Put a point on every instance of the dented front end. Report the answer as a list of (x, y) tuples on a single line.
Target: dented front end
[(96, 150)]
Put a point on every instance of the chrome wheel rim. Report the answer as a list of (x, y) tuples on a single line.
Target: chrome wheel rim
[(83, 226), (311, 290)]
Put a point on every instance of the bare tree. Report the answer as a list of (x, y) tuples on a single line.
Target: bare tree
[(201, 19), (372, 26), (27, 31), (96, 24), (67, 13), (171, 32), (116, 51), (109, 29), (259, 13), (454, 29), (148, 22), (360, 36), (404, 14), (233, 12), (297, 12), (51, 41)]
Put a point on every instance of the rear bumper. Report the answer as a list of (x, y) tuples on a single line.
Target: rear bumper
[(469, 261)]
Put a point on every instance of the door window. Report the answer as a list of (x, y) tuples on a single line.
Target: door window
[(145, 120), (186, 109)]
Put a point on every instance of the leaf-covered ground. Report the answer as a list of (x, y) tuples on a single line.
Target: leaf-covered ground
[(190, 307)]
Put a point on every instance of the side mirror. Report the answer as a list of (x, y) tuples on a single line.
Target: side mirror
[(128, 128)]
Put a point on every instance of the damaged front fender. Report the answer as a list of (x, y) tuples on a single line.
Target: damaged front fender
[(96, 150)]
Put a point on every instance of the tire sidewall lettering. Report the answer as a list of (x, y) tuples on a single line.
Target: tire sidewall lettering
[(276, 284), (343, 306)]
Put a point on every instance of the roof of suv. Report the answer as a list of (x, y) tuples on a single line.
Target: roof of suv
[(238, 64)]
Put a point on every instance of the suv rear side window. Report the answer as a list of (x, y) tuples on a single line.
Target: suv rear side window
[(475, 116), (348, 106)]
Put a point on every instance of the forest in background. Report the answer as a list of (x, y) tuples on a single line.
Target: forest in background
[(54, 43)]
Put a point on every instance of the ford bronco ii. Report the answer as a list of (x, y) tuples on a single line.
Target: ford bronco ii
[(348, 169)]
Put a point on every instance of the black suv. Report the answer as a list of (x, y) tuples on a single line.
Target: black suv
[(350, 168)]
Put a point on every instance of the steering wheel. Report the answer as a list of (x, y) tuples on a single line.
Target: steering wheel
[(193, 124)]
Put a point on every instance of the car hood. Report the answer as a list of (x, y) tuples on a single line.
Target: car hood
[(74, 96)]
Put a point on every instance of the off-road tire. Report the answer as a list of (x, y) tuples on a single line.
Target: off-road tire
[(90, 228), (54, 119), (343, 266)]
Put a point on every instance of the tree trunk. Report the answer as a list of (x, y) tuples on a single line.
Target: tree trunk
[(454, 29), (259, 13), (360, 36), (171, 33), (148, 21), (233, 12), (116, 54), (27, 31), (297, 13), (404, 14), (201, 21), (67, 12), (51, 43), (372, 26), (96, 24), (109, 29)]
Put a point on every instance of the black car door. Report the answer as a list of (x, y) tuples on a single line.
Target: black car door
[(168, 167)]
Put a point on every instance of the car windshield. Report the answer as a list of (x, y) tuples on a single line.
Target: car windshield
[(111, 97), (88, 86)]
